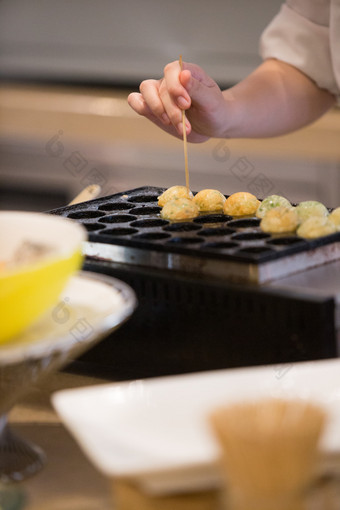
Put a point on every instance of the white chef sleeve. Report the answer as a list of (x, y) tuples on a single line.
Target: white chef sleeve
[(302, 43)]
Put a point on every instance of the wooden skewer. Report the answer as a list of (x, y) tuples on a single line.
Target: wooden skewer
[(88, 193), (185, 143)]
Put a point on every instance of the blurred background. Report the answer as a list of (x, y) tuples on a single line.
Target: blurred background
[(67, 67)]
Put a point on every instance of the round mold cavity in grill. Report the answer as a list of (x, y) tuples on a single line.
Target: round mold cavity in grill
[(182, 227), (144, 198), (244, 223), (122, 231), (91, 227), (116, 206), (218, 231), (221, 245), (152, 236), (250, 236), (149, 223), (185, 241), (212, 218), (85, 215), (256, 250), (145, 211), (286, 241), (118, 218)]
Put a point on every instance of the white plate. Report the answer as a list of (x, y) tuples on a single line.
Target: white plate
[(156, 430), (90, 306)]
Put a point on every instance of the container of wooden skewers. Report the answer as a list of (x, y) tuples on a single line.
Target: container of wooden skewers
[(269, 456)]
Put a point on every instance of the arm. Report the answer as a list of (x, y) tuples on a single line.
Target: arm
[(275, 99)]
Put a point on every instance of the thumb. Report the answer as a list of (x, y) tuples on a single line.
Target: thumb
[(199, 85)]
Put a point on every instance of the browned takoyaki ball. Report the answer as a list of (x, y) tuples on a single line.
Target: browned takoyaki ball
[(241, 204), (172, 193), (316, 226), (280, 220), (209, 200), (180, 209), (334, 217)]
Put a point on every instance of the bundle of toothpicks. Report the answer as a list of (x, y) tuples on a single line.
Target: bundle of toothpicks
[(269, 452)]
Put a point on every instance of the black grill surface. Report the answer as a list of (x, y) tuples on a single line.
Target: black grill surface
[(132, 218)]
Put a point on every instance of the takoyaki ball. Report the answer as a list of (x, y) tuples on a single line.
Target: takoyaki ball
[(241, 204), (270, 203), (180, 209), (209, 200), (172, 193), (310, 208), (280, 220), (316, 226), (334, 217)]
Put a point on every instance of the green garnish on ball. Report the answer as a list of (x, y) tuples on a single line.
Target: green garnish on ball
[(271, 202)]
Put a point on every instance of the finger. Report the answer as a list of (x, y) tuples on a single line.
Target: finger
[(185, 77), (150, 92), (177, 91), (174, 106), (179, 127), (173, 112), (137, 103)]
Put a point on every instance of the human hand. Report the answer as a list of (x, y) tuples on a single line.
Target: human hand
[(253, 108), (189, 89)]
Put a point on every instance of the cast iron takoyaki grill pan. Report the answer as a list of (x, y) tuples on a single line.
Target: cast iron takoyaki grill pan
[(127, 228), (186, 322)]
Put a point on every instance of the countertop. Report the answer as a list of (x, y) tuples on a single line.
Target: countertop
[(69, 482)]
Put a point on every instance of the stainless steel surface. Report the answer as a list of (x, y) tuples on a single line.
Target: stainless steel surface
[(230, 270), (323, 280)]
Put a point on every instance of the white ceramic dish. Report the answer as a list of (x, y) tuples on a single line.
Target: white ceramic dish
[(156, 430), (90, 306)]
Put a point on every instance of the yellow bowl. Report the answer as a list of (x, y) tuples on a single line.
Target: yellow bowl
[(28, 289)]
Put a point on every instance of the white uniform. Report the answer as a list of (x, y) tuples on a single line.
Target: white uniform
[(306, 34)]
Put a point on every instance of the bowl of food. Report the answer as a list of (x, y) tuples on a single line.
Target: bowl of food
[(38, 254)]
